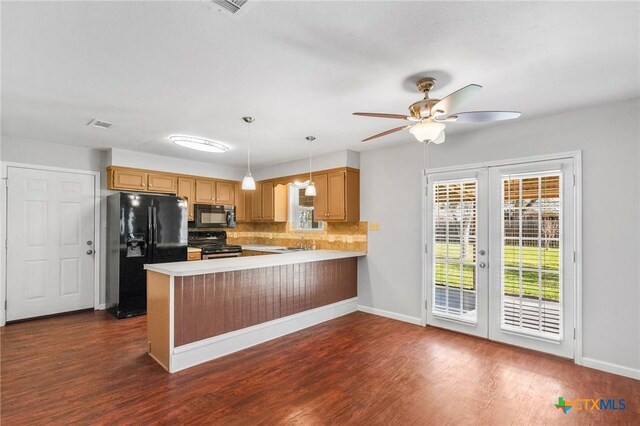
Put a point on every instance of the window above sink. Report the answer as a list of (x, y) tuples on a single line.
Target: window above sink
[(301, 214)]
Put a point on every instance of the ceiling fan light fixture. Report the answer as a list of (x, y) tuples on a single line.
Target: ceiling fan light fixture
[(427, 130), (199, 144)]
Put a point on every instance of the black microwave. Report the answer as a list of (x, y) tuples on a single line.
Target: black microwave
[(210, 216)]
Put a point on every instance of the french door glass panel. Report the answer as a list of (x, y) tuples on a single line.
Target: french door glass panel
[(454, 268), (530, 276)]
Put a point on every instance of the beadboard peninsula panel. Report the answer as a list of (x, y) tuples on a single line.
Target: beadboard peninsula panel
[(213, 304)]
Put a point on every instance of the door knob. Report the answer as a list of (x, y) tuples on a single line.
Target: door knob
[(482, 265), (89, 251)]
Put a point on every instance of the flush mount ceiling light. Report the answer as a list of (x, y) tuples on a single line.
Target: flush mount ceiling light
[(310, 190), (248, 183), (199, 144)]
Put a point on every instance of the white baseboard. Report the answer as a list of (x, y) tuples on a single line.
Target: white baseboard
[(611, 368), (186, 356), (389, 314), (101, 307)]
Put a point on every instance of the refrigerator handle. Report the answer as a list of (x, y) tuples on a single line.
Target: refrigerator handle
[(150, 233), (155, 228)]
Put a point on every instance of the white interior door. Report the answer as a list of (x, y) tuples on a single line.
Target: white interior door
[(500, 254), (456, 251), (50, 242), (532, 256)]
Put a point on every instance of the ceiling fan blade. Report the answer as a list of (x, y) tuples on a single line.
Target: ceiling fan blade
[(453, 102), (382, 115), (483, 116), (439, 139), (385, 133)]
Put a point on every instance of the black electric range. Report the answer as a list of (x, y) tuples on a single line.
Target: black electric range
[(213, 244)]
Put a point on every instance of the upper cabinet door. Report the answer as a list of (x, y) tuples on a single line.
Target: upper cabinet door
[(241, 206), (160, 182), (205, 191), (187, 190), (132, 180), (225, 193), (336, 184), (267, 200), (321, 200), (256, 204)]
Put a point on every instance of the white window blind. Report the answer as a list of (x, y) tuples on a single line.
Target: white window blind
[(454, 254), (532, 254)]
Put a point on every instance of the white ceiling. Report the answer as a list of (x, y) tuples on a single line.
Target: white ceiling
[(300, 68)]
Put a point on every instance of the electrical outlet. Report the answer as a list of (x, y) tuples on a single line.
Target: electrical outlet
[(374, 226)]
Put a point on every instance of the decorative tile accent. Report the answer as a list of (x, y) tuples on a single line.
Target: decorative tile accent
[(335, 236)]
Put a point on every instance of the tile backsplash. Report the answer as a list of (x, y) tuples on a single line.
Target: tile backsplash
[(335, 236)]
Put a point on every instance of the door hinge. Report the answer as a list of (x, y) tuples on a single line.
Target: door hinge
[(5, 305), (574, 256), (574, 179), (574, 334), (426, 191), (426, 248), (426, 304), (6, 182)]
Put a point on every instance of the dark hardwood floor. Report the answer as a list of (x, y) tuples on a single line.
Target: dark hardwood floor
[(88, 368)]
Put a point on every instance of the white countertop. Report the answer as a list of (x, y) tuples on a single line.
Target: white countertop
[(211, 266)]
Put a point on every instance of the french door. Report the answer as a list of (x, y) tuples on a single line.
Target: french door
[(500, 253)]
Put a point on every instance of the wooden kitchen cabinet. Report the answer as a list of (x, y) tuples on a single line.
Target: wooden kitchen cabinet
[(187, 190), (162, 182), (205, 191), (127, 179), (225, 193), (263, 203), (267, 201), (240, 196), (337, 196)]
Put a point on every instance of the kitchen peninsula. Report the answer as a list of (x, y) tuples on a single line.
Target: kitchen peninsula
[(202, 310)]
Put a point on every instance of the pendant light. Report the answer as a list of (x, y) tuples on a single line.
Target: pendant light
[(248, 183), (310, 190)]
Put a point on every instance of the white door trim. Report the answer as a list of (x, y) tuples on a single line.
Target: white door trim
[(4, 168), (577, 163)]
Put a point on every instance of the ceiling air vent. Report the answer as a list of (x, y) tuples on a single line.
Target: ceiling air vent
[(231, 6), (98, 123)]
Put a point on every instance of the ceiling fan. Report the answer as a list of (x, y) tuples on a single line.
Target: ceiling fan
[(430, 115)]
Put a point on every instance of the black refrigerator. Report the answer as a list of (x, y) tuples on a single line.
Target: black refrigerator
[(141, 229)]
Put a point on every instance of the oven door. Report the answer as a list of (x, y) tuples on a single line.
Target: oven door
[(210, 216), (220, 255)]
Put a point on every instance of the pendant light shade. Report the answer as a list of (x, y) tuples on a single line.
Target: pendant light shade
[(310, 190), (248, 183), (427, 130)]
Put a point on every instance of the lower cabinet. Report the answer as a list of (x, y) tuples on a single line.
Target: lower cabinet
[(194, 255)]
